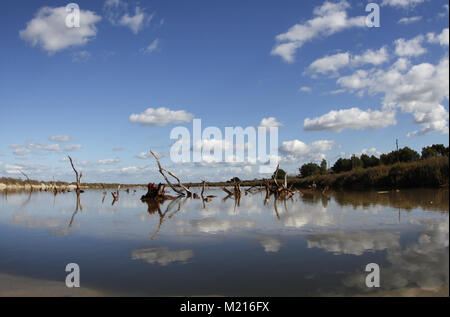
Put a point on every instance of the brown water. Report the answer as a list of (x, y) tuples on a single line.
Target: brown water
[(313, 245)]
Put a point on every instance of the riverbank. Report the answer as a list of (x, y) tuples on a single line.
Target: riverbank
[(12, 184), (432, 173)]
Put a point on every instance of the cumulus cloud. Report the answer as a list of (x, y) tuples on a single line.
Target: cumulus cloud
[(409, 20), (49, 31), (162, 256), (329, 18), (370, 151), (270, 122), (161, 117), (60, 138), (296, 150), (353, 118), (412, 47), (332, 63), (441, 39), (417, 89)]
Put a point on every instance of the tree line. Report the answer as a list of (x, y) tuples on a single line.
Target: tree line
[(402, 155)]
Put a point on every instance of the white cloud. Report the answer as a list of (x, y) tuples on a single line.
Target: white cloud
[(353, 118), (144, 155), (72, 147), (332, 63), (270, 122), (44, 147), (134, 22), (371, 57), (48, 29), (60, 138), (417, 89), (410, 47), (305, 89), (329, 18), (151, 47), (442, 38), (402, 3), (409, 20), (371, 151), (21, 151), (109, 161), (296, 150), (160, 117), (116, 13)]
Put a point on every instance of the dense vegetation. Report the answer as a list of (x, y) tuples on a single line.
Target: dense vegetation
[(429, 172), (404, 155)]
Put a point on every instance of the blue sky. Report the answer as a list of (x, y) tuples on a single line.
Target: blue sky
[(229, 63)]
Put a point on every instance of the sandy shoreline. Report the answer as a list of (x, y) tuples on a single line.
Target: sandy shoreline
[(20, 286)]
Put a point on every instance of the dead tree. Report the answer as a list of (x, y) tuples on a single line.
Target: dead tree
[(116, 195), (28, 179), (78, 176), (162, 170)]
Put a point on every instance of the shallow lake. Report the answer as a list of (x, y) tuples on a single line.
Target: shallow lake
[(312, 245)]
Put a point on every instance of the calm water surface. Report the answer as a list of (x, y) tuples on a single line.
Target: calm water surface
[(312, 245)]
